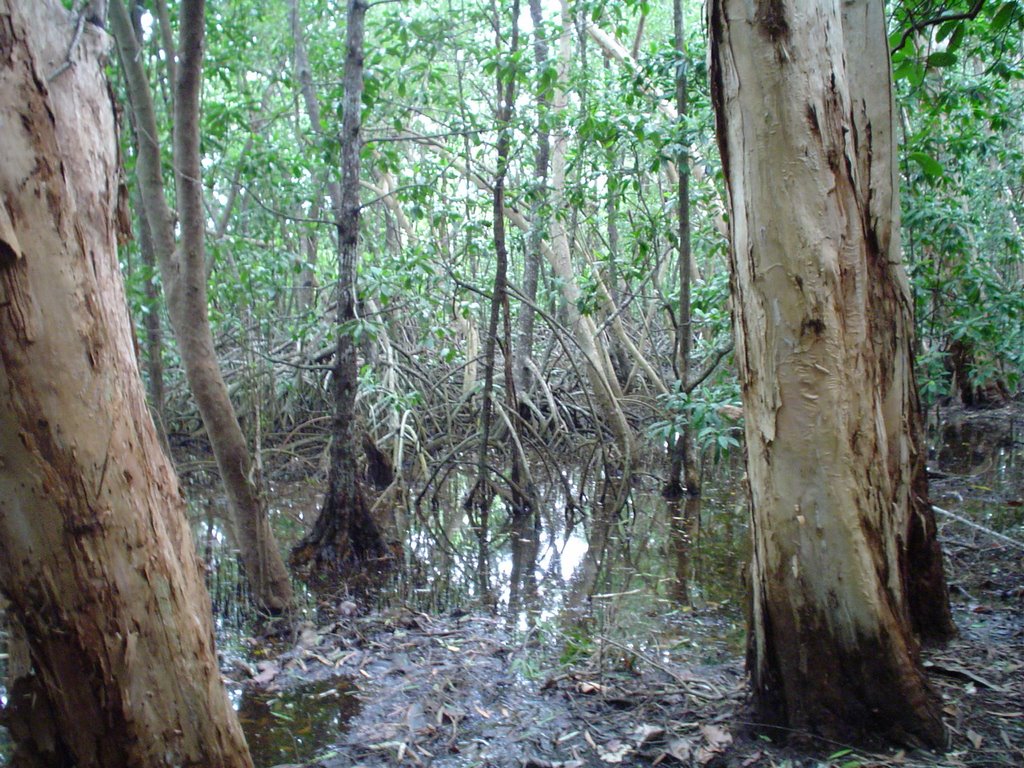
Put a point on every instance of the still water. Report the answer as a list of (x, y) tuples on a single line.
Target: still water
[(667, 582)]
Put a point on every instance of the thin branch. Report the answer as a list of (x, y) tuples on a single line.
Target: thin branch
[(709, 367), (282, 214), (79, 26), (935, 20), (420, 137), (971, 524)]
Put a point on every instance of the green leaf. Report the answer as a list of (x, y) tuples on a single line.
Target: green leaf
[(942, 59), (932, 168), (956, 39), (909, 69), (1003, 16)]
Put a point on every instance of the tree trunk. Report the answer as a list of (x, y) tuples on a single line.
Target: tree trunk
[(683, 451), (151, 321), (96, 557), (597, 363), (183, 269), (345, 536), (532, 254), (153, 326), (481, 495), (823, 340), (874, 123)]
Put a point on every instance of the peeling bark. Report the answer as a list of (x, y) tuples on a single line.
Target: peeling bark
[(96, 557), (823, 345), (874, 120)]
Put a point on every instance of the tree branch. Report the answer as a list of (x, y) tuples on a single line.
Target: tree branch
[(935, 20)]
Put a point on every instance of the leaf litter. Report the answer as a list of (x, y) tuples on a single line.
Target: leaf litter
[(451, 690)]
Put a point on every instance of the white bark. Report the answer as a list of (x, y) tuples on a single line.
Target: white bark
[(95, 551), (598, 365), (820, 342)]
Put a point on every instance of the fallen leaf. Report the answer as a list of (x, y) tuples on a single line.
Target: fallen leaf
[(268, 672), (680, 749), (975, 738), (590, 688), (646, 732), (614, 751), (344, 657), (318, 657), (705, 755), (415, 718), (717, 738)]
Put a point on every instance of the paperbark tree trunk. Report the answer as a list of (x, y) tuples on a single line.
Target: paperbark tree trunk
[(96, 557), (803, 104), (183, 268), (874, 124)]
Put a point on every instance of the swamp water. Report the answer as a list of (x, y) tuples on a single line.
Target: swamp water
[(669, 591), (668, 586), (296, 725)]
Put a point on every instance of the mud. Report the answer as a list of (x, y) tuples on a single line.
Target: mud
[(646, 687)]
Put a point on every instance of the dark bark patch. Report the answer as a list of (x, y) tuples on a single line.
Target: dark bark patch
[(772, 20), (33, 725), (812, 120), (8, 256), (812, 325), (6, 41), (19, 311), (717, 23), (860, 691)]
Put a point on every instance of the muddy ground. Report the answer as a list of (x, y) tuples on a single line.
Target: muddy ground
[(406, 688)]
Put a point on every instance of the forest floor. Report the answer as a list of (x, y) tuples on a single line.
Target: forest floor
[(401, 687)]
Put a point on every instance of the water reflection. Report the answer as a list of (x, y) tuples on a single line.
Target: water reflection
[(297, 725), (976, 463)]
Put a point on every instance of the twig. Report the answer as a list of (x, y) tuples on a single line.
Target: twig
[(982, 528), (710, 363), (687, 685), (79, 26), (920, 26)]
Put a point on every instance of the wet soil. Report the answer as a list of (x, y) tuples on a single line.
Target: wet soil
[(402, 687)]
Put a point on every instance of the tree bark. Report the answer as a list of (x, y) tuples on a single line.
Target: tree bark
[(597, 363), (345, 536), (96, 557), (183, 268), (481, 495), (154, 328), (532, 254), (151, 321), (823, 349), (874, 124), (683, 451)]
